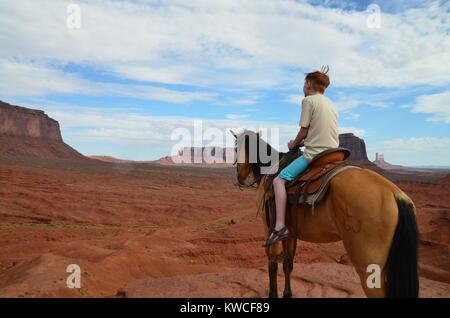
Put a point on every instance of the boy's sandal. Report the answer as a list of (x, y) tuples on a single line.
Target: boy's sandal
[(276, 236)]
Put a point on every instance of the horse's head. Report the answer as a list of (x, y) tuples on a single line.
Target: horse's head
[(248, 158)]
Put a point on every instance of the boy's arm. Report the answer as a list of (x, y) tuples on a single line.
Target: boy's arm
[(305, 120), (299, 140)]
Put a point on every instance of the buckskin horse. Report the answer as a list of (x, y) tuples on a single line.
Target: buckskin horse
[(374, 218)]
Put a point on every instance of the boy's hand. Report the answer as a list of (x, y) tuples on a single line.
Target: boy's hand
[(292, 145)]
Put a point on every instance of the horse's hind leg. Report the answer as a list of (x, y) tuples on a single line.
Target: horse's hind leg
[(371, 290), (273, 271), (369, 262)]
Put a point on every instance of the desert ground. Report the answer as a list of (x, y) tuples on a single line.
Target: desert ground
[(149, 230)]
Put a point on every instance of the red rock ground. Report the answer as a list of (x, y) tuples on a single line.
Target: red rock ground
[(149, 230)]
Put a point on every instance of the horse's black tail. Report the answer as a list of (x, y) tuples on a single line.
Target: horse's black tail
[(402, 264)]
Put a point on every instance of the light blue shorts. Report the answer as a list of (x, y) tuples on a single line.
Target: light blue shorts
[(296, 167)]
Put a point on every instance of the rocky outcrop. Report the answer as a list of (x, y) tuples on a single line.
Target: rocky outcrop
[(380, 162), (356, 145), (31, 133), (21, 121), (200, 157), (358, 156), (207, 154)]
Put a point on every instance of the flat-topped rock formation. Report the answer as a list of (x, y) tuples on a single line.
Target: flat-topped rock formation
[(26, 132), (21, 121), (200, 157), (207, 154), (356, 145), (359, 153)]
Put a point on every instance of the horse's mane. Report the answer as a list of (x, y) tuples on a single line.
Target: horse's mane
[(283, 158)]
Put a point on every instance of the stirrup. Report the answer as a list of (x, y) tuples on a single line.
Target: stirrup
[(276, 236)]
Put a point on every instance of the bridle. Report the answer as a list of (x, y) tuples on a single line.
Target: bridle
[(254, 184)]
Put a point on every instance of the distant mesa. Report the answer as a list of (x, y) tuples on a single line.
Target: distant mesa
[(21, 121), (379, 161), (357, 146), (167, 160), (188, 156), (31, 133), (213, 156), (207, 154)]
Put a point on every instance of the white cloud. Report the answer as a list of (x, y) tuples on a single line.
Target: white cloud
[(228, 42), (345, 103), (293, 99), (415, 151), (151, 93), (217, 47), (167, 74), (236, 116), (124, 125), (131, 124), (416, 144), (356, 131), (146, 137), (30, 79), (243, 101), (436, 105), (351, 116), (342, 103)]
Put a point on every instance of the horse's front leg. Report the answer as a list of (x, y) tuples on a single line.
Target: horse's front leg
[(289, 249), (288, 265), (287, 268), (273, 271)]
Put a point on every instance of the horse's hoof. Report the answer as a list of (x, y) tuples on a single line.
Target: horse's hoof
[(287, 294), (273, 295)]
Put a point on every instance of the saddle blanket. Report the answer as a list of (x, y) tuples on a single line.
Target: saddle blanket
[(311, 199)]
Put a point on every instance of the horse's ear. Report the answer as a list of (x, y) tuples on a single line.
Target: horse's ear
[(233, 133)]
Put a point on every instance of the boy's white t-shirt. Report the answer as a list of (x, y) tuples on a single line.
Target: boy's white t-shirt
[(320, 116)]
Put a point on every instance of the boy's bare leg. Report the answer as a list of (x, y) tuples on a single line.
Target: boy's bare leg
[(279, 186)]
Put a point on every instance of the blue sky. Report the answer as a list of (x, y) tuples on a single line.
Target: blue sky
[(137, 70)]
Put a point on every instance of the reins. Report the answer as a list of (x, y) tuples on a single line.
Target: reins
[(246, 186)]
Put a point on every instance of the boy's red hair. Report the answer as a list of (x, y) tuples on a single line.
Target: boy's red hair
[(319, 79)]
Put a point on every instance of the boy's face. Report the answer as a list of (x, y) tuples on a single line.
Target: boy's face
[(307, 89)]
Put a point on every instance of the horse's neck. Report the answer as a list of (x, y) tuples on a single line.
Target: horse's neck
[(261, 194), (274, 155), (268, 146)]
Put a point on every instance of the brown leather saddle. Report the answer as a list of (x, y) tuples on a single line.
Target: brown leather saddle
[(320, 167), (307, 183)]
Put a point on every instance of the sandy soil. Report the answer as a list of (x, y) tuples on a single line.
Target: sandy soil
[(147, 230)]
